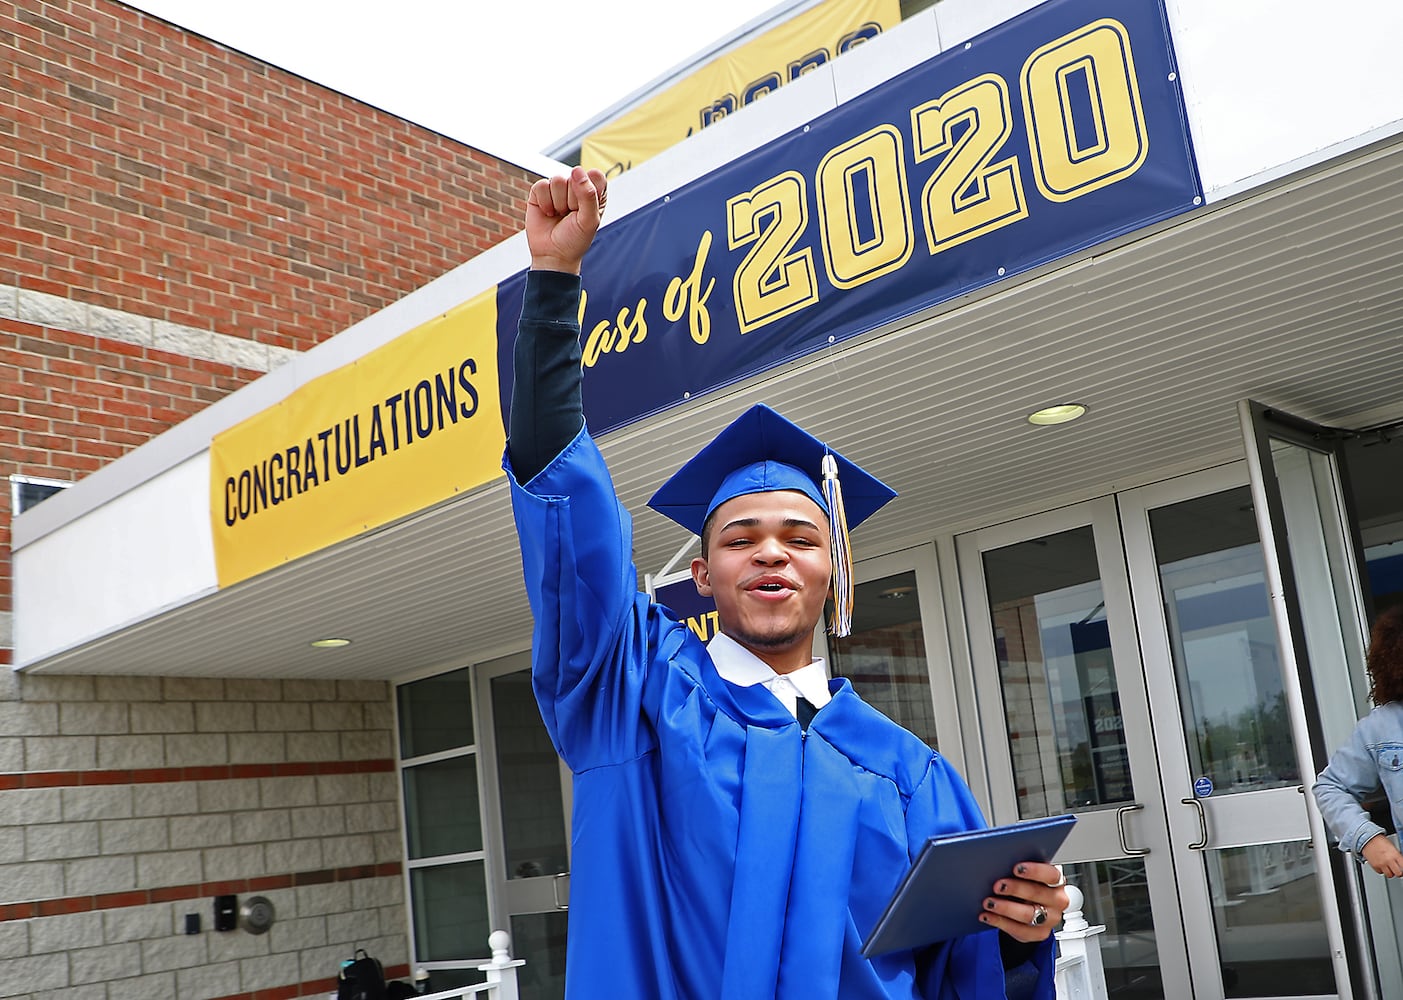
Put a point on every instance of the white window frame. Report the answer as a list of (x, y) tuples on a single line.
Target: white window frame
[(17, 480)]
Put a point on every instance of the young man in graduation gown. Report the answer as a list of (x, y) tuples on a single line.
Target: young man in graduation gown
[(722, 847)]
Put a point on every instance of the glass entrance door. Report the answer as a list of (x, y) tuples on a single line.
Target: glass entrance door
[(1259, 920), (526, 807), (1315, 561), (1067, 726), (887, 658), (1129, 671)]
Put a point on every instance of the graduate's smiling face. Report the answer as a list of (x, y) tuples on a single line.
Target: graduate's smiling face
[(767, 566)]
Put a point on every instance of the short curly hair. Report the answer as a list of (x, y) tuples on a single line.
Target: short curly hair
[(1385, 660)]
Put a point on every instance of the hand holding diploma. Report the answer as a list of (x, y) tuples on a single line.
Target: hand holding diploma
[(1029, 903), (945, 893)]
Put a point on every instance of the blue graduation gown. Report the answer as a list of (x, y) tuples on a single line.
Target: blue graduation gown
[(718, 851)]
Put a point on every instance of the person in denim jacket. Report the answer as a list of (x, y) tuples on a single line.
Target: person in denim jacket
[(1372, 760)]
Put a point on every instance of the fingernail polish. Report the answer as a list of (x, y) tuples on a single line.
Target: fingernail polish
[(1021, 870), (988, 904)]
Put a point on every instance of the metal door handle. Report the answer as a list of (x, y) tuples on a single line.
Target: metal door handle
[(1134, 852), (555, 890), (1202, 824)]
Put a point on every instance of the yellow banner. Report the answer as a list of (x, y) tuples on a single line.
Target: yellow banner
[(736, 79), (404, 427)]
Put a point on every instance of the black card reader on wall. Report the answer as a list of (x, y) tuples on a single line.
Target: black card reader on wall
[(226, 913)]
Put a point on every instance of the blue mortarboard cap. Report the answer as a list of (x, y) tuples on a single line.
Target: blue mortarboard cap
[(761, 452)]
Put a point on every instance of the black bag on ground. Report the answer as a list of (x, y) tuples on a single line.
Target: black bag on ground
[(363, 978)]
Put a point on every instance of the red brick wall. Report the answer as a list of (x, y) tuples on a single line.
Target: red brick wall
[(146, 169), (70, 403), (151, 170)]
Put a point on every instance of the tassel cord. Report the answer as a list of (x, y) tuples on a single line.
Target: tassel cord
[(841, 547)]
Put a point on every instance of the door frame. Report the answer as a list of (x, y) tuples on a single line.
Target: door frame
[(1103, 834), (940, 672), (507, 897), (1357, 966), (1188, 824), (402, 763)]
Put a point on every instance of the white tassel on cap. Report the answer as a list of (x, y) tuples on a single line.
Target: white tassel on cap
[(841, 547)]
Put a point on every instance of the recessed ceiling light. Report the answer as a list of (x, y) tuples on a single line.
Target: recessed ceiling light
[(896, 593), (330, 643), (1059, 414)]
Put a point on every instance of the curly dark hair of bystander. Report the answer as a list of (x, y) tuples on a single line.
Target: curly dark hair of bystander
[(1385, 660)]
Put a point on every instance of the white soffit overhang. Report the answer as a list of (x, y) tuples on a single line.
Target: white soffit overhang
[(1289, 295)]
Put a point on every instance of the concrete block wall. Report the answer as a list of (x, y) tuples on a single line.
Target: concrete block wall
[(127, 803)]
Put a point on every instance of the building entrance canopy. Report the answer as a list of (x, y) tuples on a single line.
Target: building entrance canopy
[(1283, 292)]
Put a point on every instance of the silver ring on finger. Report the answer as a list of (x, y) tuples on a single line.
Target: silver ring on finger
[(1039, 916)]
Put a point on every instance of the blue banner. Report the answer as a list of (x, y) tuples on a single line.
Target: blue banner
[(1060, 129), (687, 606)]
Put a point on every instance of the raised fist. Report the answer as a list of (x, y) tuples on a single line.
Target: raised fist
[(562, 216)]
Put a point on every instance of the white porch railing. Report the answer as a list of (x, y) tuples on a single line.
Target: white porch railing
[(1080, 974), (500, 973)]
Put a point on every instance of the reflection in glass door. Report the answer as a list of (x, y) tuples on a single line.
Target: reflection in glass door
[(886, 658), (527, 803), (1056, 660), (1239, 827)]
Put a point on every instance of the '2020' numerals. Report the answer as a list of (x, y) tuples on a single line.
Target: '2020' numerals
[(968, 195), (1072, 158), (778, 279), (1086, 130)]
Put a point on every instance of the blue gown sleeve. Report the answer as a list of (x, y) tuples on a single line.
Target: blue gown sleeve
[(972, 967), (589, 647)]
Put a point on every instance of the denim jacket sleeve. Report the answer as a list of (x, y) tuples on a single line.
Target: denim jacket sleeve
[(1352, 775)]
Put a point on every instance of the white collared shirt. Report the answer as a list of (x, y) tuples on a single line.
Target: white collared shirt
[(743, 668)]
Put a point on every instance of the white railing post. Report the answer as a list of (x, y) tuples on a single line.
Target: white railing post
[(501, 971), (1080, 972)]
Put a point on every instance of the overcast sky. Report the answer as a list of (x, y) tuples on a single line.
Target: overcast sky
[(510, 76)]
